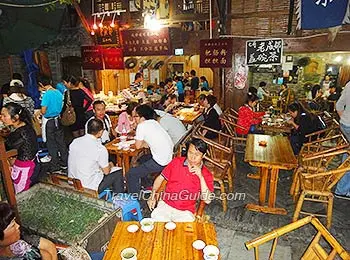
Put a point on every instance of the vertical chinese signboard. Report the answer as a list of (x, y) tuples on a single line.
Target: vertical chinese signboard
[(92, 57), (266, 51), (113, 58), (142, 42), (216, 53)]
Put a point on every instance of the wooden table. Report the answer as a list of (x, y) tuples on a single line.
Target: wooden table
[(277, 154), (188, 115), (161, 243), (123, 156), (276, 129)]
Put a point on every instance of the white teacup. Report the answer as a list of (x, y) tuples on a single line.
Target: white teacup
[(129, 253), (211, 252), (123, 138), (147, 224)]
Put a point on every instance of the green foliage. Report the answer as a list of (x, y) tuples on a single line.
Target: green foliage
[(66, 217), (52, 6)]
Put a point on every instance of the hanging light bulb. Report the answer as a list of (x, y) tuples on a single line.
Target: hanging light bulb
[(92, 32), (112, 23), (95, 25), (101, 23)]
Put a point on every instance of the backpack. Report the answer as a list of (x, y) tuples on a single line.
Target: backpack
[(68, 117)]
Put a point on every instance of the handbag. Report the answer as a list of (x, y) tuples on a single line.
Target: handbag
[(68, 116)]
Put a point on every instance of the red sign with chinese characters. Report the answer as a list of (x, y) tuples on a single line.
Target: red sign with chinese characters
[(216, 53), (92, 57), (113, 58), (142, 42)]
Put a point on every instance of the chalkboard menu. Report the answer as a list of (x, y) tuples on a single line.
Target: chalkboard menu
[(266, 51)]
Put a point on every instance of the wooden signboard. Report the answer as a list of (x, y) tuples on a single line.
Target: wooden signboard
[(216, 53), (265, 51), (143, 42)]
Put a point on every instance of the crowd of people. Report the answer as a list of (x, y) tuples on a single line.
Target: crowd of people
[(155, 128)]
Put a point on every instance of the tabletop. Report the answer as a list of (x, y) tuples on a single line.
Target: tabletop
[(161, 243), (114, 147), (277, 152), (188, 115)]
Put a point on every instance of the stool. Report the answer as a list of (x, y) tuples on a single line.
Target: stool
[(128, 204), (107, 194)]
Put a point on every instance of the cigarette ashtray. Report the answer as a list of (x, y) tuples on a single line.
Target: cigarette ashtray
[(263, 143)]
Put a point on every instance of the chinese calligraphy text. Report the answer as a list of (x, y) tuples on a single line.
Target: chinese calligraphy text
[(216, 53), (267, 51)]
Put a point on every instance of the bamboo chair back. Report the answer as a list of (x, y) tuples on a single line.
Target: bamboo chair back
[(315, 250), (231, 111), (324, 145), (218, 159), (6, 176), (333, 128), (66, 182), (327, 173)]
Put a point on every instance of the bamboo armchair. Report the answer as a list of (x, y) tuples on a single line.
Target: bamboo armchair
[(324, 145), (229, 127), (218, 159), (317, 176), (225, 139), (314, 251), (318, 147)]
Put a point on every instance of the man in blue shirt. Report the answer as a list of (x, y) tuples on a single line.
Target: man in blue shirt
[(52, 131), (62, 86), (180, 89)]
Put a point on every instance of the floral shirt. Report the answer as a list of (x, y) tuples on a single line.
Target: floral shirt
[(23, 250), (246, 118)]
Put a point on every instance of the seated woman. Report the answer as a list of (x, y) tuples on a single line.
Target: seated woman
[(247, 118), (11, 245), (23, 138), (304, 123), (211, 117), (126, 119)]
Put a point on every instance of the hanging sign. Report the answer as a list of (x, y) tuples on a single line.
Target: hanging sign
[(143, 42), (108, 35), (92, 57), (216, 53), (113, 58), (266, 51)]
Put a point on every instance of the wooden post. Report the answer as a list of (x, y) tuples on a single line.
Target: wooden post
[(9, 189)]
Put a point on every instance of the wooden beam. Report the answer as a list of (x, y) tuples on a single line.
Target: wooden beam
[(81, 16)]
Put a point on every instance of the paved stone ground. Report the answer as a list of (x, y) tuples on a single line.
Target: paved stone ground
[(239, 225)]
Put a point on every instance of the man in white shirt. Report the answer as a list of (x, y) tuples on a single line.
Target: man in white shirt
[(88, 161), (100, 113), (149, 134), (172, 125)]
